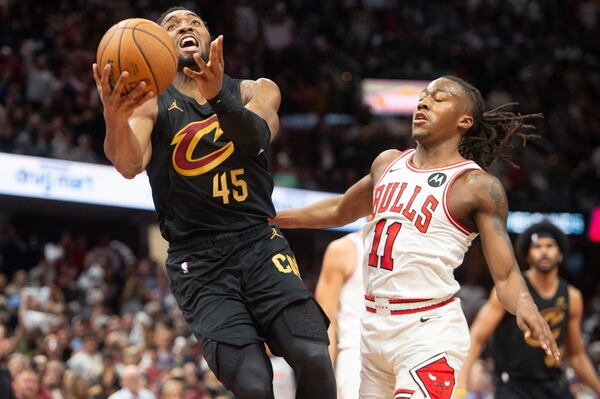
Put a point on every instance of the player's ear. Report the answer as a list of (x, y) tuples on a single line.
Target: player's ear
[(465, 122)]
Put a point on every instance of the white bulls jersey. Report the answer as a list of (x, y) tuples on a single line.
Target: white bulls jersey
[(413, 244), (352, 304)]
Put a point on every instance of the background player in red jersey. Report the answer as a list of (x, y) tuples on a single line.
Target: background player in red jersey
[(205, 143), (521, 369), (450, 127)]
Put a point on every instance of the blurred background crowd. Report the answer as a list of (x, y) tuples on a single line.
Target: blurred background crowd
[(80, 317)]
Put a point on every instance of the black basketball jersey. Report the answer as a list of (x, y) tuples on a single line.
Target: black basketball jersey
[(525, 359), (201, 183)]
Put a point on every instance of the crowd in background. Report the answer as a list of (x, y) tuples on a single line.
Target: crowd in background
[(79, 321), (542, 54), (85, 320)]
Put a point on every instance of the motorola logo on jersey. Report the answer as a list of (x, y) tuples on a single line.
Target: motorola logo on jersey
[(436, 179), (186, 141)]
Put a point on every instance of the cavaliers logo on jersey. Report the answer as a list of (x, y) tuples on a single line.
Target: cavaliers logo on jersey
[(185, 142), (553, 316)]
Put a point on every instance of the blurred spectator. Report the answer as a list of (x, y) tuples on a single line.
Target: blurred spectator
[(130, 380), (52, 379), (173, 389), (87, 362), (480, 384), (26, 386)]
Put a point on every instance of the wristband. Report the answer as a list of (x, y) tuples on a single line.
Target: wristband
[(224, 102)]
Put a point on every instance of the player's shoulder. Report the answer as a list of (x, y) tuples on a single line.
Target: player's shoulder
[(483, 189), (340, 253), (383, 160), (261, 87), (342, 244)]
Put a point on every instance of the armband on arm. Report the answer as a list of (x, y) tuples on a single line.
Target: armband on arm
[(248, 131)]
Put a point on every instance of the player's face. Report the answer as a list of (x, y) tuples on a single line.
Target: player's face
[(441, 112), (189, 34), (544, 255)]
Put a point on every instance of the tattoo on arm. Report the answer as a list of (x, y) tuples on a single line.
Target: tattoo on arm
[(501, 210), (474, 176)]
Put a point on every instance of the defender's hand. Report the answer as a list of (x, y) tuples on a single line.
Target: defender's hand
[(210, 77), (533, 325), (118, 106)]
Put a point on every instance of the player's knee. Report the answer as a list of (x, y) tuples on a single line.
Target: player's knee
[(314, 359)]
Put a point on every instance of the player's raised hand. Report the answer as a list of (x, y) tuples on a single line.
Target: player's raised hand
[(210, 76), (116, 104), (533, 325)]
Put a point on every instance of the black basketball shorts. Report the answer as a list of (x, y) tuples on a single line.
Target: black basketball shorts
[(231, 286)]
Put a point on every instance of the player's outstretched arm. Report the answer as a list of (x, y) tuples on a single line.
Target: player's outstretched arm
[(331, 212), (579, 360), (491, 212), (337, 266), (483, 326), (129, 121), (249, 127), (341, 209)]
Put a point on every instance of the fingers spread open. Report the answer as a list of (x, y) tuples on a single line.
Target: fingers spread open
[(220, 52), (201, 63), (104, 80), (118, 89), (194, 74), (96, 74)]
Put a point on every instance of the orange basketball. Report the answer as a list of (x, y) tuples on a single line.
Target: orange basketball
[(142, 48)]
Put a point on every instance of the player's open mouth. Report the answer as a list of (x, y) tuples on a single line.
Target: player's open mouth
[(188, 43), (419, 118)]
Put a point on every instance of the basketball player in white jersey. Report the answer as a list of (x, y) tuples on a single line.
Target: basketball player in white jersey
[(340, 293), (427, 206)]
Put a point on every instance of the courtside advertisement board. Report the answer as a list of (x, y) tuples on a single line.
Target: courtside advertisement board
[(51, 179)]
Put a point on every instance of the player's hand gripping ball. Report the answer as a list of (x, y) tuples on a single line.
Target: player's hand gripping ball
[(143, 49)]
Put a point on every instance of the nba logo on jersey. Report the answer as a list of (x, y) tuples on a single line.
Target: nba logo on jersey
[(184, 269)]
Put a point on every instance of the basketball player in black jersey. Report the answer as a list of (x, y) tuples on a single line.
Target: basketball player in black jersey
[(521, 368), (205, 146)]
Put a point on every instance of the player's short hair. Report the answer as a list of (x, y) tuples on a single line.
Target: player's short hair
[(170, 10), (543, 229)]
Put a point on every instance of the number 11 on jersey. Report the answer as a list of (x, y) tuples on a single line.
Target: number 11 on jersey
[(386, 261)]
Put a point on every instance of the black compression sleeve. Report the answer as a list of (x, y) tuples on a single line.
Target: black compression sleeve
[(248, 131)]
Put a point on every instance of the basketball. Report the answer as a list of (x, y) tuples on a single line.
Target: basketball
[(143, 49)]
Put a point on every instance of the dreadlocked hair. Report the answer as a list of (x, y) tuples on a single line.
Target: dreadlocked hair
[(490, 137)]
